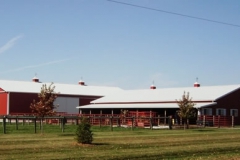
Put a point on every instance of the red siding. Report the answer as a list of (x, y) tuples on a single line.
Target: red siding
[(228, 102), (85, 101), (20, 102), (3, 103)]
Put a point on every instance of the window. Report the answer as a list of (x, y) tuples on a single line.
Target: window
[(207, 111), (234, 112), (220, 112)]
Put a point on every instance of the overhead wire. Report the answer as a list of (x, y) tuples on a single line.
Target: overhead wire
[(174, 13)]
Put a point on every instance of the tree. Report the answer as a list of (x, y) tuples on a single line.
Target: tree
[(123, 115), (44, 106), (186, 109), (84, 134)]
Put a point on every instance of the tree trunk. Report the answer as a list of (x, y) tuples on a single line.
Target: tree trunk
[(187, 123), (41, 125)]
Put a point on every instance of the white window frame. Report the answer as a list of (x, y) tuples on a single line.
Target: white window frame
[(207, 111), (222, 110), (234, 112)]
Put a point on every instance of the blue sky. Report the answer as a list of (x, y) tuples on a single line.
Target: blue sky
[(110, 44)]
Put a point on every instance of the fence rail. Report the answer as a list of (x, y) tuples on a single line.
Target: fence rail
[(217, 121), (105, 120)]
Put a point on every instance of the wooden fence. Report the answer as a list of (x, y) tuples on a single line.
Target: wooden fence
[(216, 121), (112, 121)]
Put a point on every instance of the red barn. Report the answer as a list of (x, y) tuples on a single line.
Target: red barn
[(209, 101), (16, 96)]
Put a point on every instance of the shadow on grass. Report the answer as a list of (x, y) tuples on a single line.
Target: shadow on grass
[(204, 130), (100, 144), (67, 134)]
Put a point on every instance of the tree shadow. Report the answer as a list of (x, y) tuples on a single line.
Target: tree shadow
[(204, 130), (67, 134), (100, 144)]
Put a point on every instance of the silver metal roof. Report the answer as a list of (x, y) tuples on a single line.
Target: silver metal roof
[(69, 89), (206, 93)]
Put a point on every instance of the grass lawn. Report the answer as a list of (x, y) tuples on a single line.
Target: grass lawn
[(121, 143)]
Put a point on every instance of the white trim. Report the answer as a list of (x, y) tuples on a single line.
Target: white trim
[(223, 111), (207, 111), (235, 113)]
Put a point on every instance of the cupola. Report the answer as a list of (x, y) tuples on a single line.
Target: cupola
[(153, 86), (196, 84), (81, 82), (35, 79)]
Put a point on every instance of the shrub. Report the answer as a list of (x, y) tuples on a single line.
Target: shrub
[(83, 133)]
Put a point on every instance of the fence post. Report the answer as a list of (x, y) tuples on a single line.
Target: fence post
[(62, 124), (100, 121), (132, 123), (16, 123), (158, 120), (4, 125), (170, 122), (232, 121), (150, 120), (213, 121), (40, 124), (76, 121), (111, 125), (35, 124), (165, 120), (218, 121), (204, 121), (118, 121)]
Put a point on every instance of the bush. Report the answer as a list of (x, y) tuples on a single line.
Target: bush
[(83, 133)]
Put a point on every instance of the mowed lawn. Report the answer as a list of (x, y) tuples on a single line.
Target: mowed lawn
[(121, 143)]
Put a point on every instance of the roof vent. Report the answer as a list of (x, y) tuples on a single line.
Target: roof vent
[(196, 84), (153, 86), (35, 79), (81, 82)]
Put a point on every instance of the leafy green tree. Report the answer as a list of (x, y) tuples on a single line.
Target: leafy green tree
[(186, 109), (45, 104), (84, 134)]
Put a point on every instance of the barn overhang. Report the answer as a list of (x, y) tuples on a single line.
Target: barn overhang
[(140, 105)]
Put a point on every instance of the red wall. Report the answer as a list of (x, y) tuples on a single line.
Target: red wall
[(228, 102), (3, 103), (86, 100), (20, 102)]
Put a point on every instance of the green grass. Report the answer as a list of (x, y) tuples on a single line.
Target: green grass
[(121, 143)]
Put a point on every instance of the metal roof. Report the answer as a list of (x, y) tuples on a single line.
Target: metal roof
[(69, 89), (206, 93)]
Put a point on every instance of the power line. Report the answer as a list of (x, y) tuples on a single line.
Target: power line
[(174, 13)]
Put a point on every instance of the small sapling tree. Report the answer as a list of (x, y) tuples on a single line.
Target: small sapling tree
[(123, 115), (84, 134), (186, 109), (44, 106)]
